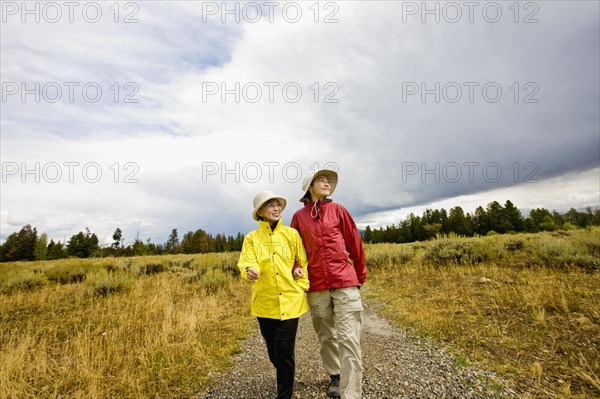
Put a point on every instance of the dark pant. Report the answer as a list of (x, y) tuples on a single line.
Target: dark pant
[(280, 337)]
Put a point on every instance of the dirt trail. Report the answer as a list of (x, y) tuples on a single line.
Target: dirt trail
[(395, 365)]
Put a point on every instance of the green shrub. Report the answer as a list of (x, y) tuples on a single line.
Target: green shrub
[(378, 259), (592, 245), (103, 282), (585, 262), (179, 264), (18, 279), (230, 269), (213, 279), (152, 268), (568, 226), (564, 253), (68, 273), (192, 276), (514, 244), (113, 267), (388, 255), (448, 251)]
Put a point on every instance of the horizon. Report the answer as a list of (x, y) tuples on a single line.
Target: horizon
[(362, 229)]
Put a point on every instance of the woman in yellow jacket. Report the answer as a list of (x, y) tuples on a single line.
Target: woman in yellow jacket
[(278, 291)]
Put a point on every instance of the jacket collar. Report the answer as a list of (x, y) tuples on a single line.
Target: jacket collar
[(266, 226), (310, 204), (314, 207)]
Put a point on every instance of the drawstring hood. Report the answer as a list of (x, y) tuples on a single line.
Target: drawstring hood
[(314, 212), (316, 208)]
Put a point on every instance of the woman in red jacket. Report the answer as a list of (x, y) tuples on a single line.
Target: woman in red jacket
[(336, 270)]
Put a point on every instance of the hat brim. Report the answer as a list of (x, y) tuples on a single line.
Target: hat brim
[(264, 201), (331, 175)]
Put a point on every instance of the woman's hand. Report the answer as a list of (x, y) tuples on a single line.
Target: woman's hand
[(252, 275), (298, 273)]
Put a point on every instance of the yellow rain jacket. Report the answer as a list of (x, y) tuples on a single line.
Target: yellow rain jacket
[(276, 294)]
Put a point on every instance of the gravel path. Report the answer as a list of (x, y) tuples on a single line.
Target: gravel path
[(395, 365)]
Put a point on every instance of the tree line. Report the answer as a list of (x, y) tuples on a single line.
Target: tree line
[(495, 218), (27, 245)]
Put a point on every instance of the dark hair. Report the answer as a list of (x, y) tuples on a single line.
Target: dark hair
[(307, 196)]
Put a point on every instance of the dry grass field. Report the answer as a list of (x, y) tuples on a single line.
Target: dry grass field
[(525, 306), (133, 328)]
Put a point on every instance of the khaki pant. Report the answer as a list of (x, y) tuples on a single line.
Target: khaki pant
[(337, 320)]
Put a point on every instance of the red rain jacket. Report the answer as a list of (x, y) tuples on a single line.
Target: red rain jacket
[(336, 258)]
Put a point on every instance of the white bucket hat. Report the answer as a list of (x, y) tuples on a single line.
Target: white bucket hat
[(263, 197), (331, 176)]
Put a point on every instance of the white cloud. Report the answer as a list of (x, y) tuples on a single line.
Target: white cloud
[(196, 154)]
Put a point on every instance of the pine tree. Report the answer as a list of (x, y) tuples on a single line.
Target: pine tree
[(83, 245), (19, 246), (41, 247), (456, 221), (368, 237), (513, 216), (56, 250), (172, 245)]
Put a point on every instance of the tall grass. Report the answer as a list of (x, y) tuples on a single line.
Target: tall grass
[(121, 332), (527, 306)]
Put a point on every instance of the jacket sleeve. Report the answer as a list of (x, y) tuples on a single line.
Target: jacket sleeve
[(248, 257), (301, 261), (294, 224), (354, 244)]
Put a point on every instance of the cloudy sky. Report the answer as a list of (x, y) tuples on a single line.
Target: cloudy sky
[(154, 115)]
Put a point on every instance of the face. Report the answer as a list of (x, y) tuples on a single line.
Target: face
[(271, 210), (320, 187)]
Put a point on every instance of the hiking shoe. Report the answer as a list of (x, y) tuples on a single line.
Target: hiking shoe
[(333, 390)]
